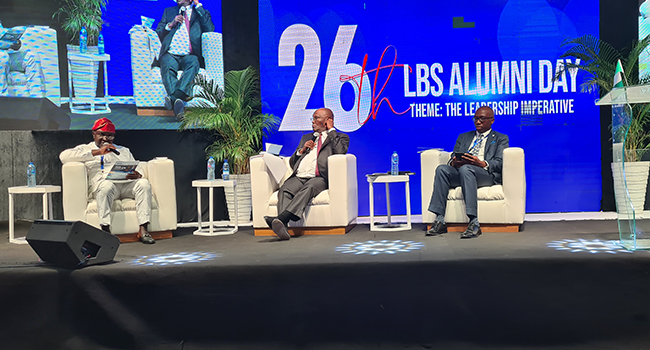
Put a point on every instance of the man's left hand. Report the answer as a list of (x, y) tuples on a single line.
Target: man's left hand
[(134, 175), (473, 160)]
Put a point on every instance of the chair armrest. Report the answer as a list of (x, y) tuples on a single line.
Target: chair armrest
[(160, 173), (212, 48), (342, 183), (429, 161), (75, 191), (141, 58), (514, 184), (262, 187)]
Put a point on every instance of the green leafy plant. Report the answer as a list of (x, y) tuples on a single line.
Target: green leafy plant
[(598, 60), (235, 115), (75, 14)]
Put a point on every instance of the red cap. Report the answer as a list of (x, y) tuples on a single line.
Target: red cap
[(104, 124)]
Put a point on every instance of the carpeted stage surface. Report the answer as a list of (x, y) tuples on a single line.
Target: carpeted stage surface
[(500, 291)]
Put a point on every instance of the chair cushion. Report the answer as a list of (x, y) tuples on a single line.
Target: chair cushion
[(322, 198), (489, 193), (126, 204), (17, 78)]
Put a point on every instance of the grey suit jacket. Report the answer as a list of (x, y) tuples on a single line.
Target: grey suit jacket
[(336, 143), (495, 144)]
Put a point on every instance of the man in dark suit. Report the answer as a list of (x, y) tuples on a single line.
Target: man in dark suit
[(310, 173), (478, 166), (180, 32)]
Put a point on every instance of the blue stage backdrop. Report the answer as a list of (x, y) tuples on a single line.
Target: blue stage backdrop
[(408, 76)]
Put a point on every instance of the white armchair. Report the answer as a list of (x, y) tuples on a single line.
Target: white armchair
[(332, 211), (501, 208), (124, 222), (148, 89), (41, 42)]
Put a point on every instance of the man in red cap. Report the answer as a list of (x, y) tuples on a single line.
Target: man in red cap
[(99, 156)]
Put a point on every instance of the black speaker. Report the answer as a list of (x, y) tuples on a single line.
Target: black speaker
[(71, 243)]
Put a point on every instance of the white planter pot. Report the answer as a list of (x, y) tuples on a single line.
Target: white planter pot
[(636, 177), (84, 74), (244, 198)]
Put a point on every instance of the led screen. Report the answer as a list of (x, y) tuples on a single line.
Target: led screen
[(408, 76), (121, 85)]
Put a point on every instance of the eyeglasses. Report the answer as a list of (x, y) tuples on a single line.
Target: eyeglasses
[(481, 119)]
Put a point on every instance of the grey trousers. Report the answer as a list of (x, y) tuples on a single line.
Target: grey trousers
[(469, 177), (108, 191), (296, 192), (169, 67)]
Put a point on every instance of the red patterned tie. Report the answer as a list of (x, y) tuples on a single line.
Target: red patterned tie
[(187, 26), (320, 143)]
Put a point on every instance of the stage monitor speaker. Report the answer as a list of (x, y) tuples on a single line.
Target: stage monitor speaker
[(25, 113), (71, 243)]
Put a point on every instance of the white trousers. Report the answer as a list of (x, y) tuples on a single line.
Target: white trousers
[(108, 191)]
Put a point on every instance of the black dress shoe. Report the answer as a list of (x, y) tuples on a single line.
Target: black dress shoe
[(280, 230), (106, 228), (437, 228), (168, 103), (179, 109), (472, 231), (269, 220), (146, 238)]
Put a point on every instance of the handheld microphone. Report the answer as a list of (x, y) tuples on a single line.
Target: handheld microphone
[(114, 151), (314, 140), (181, 11)]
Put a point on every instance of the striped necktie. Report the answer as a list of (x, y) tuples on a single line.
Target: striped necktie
[(320, 143), (476, 146)]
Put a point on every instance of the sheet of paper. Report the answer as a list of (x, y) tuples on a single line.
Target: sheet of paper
[(273, 148)]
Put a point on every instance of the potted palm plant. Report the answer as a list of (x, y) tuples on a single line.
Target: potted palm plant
[(598, 60), (75, 15), (235, 115)]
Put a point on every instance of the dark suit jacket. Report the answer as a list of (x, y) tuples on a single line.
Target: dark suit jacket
[(200, 23), (336, 143), (495, 144)]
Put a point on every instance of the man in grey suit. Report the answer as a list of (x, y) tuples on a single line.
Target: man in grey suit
[(310, 171), (180, 31), (478, 165)]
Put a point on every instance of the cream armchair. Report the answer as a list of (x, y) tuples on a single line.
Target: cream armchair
[(148, 89), (41, 42), (124, 222), (501, 208), (332, 211)]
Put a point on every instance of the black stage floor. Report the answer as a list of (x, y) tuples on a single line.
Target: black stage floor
[(521, 290)]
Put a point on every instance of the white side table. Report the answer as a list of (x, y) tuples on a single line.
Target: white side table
[(388, 179), (211, 230), (46, 190), (85, 67)]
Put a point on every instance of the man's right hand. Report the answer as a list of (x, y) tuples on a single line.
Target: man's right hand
[(16, 46), (178, 19), (103, 150), (309, 144)]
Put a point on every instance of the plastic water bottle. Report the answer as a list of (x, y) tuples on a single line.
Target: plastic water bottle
[(226, 170), (83, 40), (31, 175), (394, 164), (100, 44), (211, 169)]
